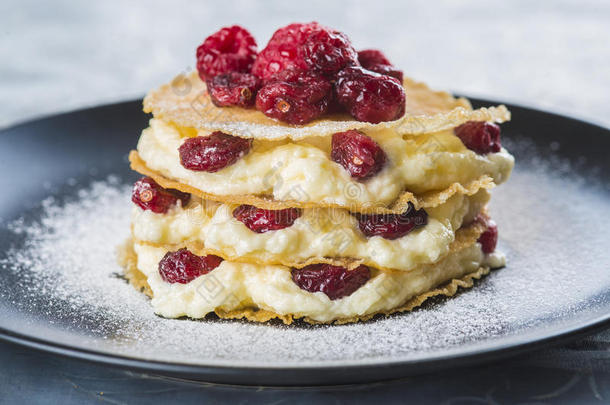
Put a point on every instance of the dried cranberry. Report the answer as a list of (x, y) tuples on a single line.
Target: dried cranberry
[(392, 226), (294, 96), (328, 51), (359, 154), (183, 266), (232, 49), (369, 57), (374, 60), (233, 88), (261, 221), (334, 281), (212, 153), (284, 50), (149, 195), (387, 70), (480, 136), (489, 238), (370, 96)]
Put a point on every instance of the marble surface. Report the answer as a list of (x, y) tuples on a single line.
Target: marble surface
[(62, 55)]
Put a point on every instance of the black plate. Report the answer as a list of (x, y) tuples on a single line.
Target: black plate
[(37, 157)]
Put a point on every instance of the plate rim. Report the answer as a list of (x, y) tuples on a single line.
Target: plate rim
[(309, 375), (272, 375)]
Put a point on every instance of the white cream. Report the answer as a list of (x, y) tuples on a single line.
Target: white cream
[(234, 286), (317, 233), (494, 260), (303, 171)]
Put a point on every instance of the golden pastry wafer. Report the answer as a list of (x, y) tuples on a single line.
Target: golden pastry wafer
[(316, 233), (430, 199), (185, 102), (445, 286)]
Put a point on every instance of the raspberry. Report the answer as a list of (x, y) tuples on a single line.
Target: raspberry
[(489, 238), (334, 281), (370, 96), (233, 88), (232, 49), (479, 136), (212, 153), (149, 195), (360, 155), (261, 221), (183, 266), (284, 50), (294, 96), (392, 226), (369, 57), (328, 51)]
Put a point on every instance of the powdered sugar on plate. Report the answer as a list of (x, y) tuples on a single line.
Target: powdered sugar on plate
[(62, 275)]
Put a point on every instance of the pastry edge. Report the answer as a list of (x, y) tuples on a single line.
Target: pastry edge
[(128, 260), (429, 199)]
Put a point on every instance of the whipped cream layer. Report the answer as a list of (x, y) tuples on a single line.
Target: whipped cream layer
[(303, 170), (318, 233), (235, 286)]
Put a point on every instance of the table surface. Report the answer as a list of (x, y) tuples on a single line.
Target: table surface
[(63, 55)]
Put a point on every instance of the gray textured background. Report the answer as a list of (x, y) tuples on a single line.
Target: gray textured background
[(62, 55)]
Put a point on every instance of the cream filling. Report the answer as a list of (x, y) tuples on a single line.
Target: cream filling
[(318, 233), (494, 260), (303, 171), (234, 286)]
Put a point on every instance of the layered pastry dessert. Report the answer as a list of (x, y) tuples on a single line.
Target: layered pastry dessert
[(309, 181)]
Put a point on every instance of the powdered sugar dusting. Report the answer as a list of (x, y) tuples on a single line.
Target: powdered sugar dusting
[(62, 272)]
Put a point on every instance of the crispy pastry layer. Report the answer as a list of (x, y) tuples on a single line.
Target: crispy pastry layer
[(317, 236), (430, 199), (185, 101), (261, 293)]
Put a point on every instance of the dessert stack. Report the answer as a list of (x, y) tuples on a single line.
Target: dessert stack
[(309, 181)]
